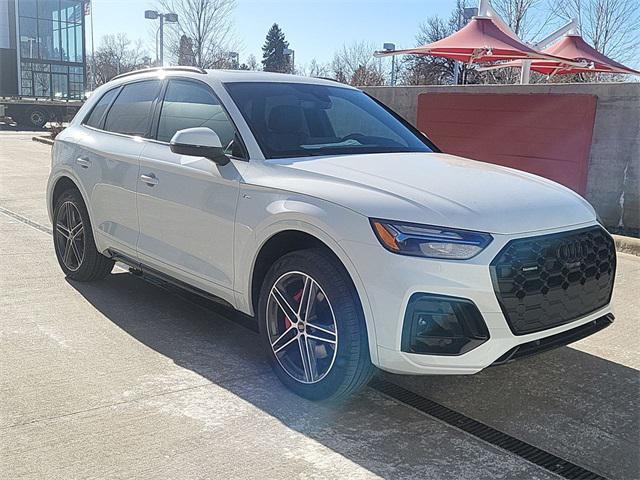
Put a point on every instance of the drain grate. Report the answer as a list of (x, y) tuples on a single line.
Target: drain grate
[(535, 455)]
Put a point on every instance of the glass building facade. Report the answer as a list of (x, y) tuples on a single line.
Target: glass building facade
[(51, 48)]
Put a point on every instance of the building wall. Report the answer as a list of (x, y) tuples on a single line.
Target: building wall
[(613, 186)]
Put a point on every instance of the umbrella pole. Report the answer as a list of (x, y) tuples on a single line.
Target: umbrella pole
[(525, 72)]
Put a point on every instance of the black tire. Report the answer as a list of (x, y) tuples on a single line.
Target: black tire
[(92, 265), (351, 368), (36, 118)]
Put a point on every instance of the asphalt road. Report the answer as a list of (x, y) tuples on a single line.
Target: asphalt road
[(122, 379)]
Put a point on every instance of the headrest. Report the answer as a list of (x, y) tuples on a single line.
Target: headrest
[(286, 119)]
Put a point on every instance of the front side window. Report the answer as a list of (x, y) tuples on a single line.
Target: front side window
[(302, 120), (131, 112), (190, 104)]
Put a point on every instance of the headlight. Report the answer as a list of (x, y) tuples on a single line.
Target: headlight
[(429, 241)]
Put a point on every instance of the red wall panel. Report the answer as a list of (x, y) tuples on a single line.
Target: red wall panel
[(549, 135)]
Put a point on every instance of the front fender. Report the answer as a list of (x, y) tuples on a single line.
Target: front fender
[(265, 214)]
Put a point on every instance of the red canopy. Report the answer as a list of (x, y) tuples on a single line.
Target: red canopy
[(574, 47), (481, 40)]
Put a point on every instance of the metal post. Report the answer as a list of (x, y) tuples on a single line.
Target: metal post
[(161, 40), (483, 8), (93, 55), (525, 72), (393, 71)]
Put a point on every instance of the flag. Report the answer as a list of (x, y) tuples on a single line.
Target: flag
[(87, 7)]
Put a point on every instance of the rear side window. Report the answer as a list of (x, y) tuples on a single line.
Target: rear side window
[(131, 112), (95, 118), (190, 104)]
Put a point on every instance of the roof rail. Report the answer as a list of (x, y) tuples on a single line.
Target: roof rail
[(157, 69)]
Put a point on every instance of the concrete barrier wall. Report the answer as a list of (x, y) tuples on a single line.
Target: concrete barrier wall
[(613, 185)]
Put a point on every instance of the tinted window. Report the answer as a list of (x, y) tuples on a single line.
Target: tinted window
[(300, 120), (190, 104), (95, 119), (131, 112)]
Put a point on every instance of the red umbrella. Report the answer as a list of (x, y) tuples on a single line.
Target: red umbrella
[(481, 40), (575, 48)]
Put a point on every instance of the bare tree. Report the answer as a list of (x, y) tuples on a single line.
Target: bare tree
[(426, 69), (250, 64), (208, 23), (431, 70), (355, 64), (611, 26), (528, 19), (314, 69), (115, 55)]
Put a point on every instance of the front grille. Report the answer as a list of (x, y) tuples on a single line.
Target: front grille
[(545, 281)]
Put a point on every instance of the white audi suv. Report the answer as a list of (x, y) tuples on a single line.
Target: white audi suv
[(307, 204)]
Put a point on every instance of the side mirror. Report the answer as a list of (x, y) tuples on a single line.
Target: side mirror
[(199, 142)]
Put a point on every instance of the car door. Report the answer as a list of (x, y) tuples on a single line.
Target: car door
[(108, 161), (186, 204)]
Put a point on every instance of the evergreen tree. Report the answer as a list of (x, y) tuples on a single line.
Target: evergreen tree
[(273, 57)]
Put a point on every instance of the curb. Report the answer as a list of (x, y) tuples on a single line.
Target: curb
[(629, 245), (46, 141)]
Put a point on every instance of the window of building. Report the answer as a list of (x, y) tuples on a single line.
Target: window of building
[(131, 112), (51, 32)]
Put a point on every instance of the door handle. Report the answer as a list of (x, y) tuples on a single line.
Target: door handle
[(150, 179), (83, 162)]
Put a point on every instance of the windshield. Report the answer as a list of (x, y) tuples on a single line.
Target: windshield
[(302, 120)]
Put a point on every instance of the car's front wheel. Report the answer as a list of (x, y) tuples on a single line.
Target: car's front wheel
[(73, 240), (312, 325)]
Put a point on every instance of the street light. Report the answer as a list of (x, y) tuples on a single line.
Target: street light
[(164, 17), (292, 54), (389, 47)]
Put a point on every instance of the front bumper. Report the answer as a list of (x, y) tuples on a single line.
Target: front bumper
[(390, 281)]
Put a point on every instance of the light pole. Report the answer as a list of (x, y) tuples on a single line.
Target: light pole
[(292, 55), (164, 17), (389, 47)]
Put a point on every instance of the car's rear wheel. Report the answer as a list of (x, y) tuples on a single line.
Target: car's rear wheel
[(73, 240), (312, 325)]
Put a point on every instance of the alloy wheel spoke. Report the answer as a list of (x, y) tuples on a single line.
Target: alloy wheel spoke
[(285, 345), (313, 367), (77, 230), (303, 297), (321, 339), (67, 252), (274, 344), (62, 230), (76, 252), (284, 304), (304, 355), (68, 216), (321, 329)]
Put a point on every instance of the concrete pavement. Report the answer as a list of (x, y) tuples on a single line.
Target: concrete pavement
[(120, 379)]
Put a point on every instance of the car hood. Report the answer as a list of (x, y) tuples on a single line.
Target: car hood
[(433, 188)]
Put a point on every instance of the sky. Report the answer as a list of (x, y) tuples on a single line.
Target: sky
[(313, 28)]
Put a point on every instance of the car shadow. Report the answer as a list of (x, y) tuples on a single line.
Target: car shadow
[(573, 404)]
